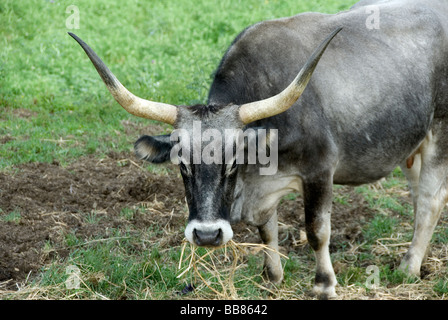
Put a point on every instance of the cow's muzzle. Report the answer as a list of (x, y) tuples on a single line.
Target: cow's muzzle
[(209, 234)]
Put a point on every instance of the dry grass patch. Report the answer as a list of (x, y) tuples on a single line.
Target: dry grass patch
[(213, 270)]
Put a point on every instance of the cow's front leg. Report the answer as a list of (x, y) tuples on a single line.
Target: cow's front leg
[(269, 235), (318, 199)]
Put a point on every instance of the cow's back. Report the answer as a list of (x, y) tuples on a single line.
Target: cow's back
[(265, 57), (367, 79)]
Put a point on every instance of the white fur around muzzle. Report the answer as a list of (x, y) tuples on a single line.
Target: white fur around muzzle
[(226, 229)]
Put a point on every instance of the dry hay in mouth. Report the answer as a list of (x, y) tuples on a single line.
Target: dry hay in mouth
[(215, 268)]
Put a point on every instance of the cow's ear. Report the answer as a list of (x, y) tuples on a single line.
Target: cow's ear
[(153, 149)]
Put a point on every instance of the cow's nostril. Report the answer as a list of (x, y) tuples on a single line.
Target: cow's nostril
[(206, 238), (209, 233)]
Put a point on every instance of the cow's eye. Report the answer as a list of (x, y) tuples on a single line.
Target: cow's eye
[(184, 168)]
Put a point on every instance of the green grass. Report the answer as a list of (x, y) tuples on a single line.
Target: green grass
[(380, 227), (161, 50), (13, 216), (113, 268), (441, 287), (116, 268)]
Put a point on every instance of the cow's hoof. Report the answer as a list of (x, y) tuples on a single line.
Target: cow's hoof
[(324, 292), (410, 266), (274, 276)]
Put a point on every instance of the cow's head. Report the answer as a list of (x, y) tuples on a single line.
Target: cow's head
[(208, 166)]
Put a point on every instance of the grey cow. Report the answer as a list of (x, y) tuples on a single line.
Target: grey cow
[(378, 99)]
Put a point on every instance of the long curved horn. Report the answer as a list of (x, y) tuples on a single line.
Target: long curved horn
[(137, 106), (284, 100)]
